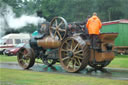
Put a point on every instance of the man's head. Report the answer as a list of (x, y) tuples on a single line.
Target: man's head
[(94, 14), (88, 16)]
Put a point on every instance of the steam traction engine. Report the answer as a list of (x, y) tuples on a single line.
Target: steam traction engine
[(70, 48)]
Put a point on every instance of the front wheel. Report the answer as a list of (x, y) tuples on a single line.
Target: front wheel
[(100, 65), (26, 58)]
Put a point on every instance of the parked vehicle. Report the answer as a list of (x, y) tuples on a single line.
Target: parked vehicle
[(11, 40), (14, 50)]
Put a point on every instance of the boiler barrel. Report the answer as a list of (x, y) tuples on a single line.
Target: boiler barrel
[(48, 42)]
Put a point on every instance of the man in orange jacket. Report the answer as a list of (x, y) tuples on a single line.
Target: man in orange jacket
[(94, 25)]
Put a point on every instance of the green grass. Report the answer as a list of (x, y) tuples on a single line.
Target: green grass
[(19, 77), (122, 56), (120, 61), (4, 58)]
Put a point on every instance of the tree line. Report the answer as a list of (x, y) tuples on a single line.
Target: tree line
[(71, 10)]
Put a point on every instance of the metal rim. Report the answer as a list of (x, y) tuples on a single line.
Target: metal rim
[(72, 56), (58, 28), (25, 58)]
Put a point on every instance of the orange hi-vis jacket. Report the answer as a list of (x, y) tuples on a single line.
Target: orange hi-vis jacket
[(93, 25)]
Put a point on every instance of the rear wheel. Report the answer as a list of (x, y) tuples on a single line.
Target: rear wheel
[(26, 58), (73, 54)]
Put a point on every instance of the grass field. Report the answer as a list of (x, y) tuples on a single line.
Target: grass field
[(4, 58), (24, 77), (19, 77), (120, 61)]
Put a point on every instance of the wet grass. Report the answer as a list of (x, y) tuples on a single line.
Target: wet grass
[(120, 61), (4, 58), (121, 56), (23, 77)]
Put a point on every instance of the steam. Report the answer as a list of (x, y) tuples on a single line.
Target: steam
[(8, 20)]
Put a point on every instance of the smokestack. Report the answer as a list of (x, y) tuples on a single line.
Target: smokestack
[(39, 13)]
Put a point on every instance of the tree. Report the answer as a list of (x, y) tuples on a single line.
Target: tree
[(71, 10)]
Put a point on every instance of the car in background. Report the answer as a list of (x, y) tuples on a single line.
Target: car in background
[(11, 40), (14, 50)]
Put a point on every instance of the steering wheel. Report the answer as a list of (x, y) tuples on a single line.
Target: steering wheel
[(58, 28)]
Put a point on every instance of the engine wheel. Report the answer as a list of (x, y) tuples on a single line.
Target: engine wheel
[(58, 28), (74, 54), (26, 58), (100, 65)]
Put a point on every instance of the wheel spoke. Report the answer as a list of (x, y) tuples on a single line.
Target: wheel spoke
[(54, 28), (73, 43), (68, 61), (20, 60), (59, 35), (60, 23), (76, 52), (74, 64), (66, 50), (62, 30), (78, 57), (75, 47), (27, 55), (67, 45), (56, 23), (79, 54), (79, 62), (55, 34), (65, 58)]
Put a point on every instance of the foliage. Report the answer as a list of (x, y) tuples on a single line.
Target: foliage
[(71, 10)]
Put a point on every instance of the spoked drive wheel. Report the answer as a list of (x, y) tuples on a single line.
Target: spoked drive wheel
[(74, 54), (100, 65), (26, 58), (58, 28), (49, 62)]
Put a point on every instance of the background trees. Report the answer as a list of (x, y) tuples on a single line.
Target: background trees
[(71, 10)]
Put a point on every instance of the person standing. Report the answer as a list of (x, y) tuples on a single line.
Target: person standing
[(93, 25)]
